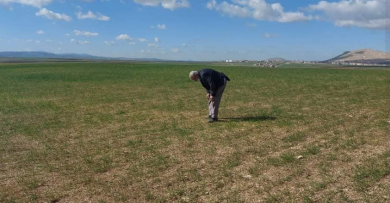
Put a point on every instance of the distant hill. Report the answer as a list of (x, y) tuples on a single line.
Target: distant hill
[(363, 56), (47, 55)]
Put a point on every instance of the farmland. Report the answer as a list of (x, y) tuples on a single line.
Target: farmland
[(137, 132)]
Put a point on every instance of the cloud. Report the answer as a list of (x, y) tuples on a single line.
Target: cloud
[(168, 4), (175, 50), (52, 16), (157, 40), (67, 35), (79, 42), (161, 27), (91, 15), (110, 43), (85, 33), (152, 45), (49, 40), (124, 37), (146, 51), (269, 35), (142, 39), (257, 9), (370, 14), (34, 3), (40, 32)]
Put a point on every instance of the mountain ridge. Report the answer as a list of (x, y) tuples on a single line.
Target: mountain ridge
[(362, 56), (48, 55)]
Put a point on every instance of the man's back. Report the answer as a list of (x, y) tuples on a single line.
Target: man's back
[(211, 79)]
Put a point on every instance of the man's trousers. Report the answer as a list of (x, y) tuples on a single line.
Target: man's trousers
[(214, 105)]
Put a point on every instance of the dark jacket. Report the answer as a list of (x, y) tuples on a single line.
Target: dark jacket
[(212, 80)]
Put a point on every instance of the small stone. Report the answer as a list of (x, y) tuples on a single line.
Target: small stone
[(300, 157), (350, 116), (247, 176), (186, 199)]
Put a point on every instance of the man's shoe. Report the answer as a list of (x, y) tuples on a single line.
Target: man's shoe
[(208, 117), (212, 120)]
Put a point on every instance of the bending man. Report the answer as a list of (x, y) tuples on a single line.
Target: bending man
[(214, 82)]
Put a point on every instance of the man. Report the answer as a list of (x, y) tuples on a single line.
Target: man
[(214, 82)]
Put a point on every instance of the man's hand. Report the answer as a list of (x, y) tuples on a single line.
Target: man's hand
[(211, 98), (208, 96)]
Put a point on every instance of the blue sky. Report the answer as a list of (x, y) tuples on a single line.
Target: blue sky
[(195, 29)]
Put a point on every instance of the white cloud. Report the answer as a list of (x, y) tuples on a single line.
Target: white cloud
[(168, 4), (269, 35), (91, 15), (40, 32), (67, 35), (162, 26), (85, 33), (110, 43), (370, 14), (211, 4), (257, 9), (79, 42), (34, 3), (152, 45), (132, 43), (49, 40), (142, 40), (146, 51), (175, 50), (157, 40), (52, 16), (184, 45), (124, 37), (159, 26)]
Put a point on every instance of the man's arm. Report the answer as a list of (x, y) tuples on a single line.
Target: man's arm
[(213, 86)]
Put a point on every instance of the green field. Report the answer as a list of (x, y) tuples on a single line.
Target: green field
[(137, 132)]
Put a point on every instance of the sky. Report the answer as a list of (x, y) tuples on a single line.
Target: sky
[(200, 30)]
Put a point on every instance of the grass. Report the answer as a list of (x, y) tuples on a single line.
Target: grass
[(136, 132)]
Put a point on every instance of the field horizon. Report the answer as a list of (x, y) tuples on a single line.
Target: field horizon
[(137, 132)]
